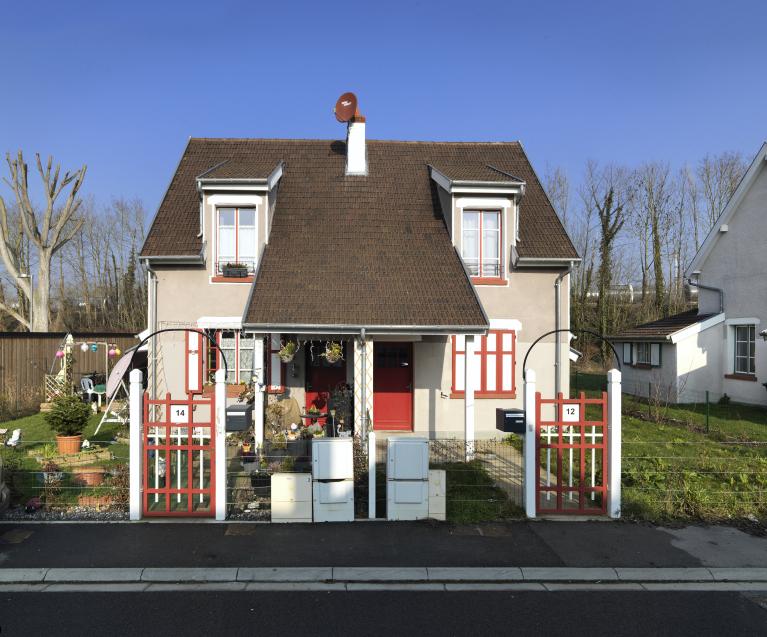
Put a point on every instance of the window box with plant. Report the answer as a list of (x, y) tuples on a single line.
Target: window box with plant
[(68, 418), (235, 270)]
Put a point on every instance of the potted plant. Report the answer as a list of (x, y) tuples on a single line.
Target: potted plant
[(235, 270), (334, 352), (288, 351), (68, 418), (89, 476)]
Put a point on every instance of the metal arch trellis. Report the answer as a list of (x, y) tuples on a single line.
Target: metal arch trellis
[(542, 336), (184, 329)]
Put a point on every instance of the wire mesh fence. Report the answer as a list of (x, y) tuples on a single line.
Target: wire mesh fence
[(43, 483), (484, 479), (699, 479)]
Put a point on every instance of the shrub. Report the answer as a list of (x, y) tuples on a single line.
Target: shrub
[(69, 416)]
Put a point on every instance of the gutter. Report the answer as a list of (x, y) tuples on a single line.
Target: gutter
[(371, 330), (710, 288)]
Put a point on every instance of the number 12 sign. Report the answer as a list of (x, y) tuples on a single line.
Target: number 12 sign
[(571, 413)]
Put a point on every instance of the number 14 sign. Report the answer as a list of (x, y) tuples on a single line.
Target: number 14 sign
[(571, 413)]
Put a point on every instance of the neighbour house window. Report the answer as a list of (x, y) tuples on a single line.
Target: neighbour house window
[(235, 238), (745, 348), (643, 354), (497, 362), (481, 243), (627, 353)]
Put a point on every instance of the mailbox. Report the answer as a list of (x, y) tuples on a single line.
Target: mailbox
[(510, 421), (239, 417)]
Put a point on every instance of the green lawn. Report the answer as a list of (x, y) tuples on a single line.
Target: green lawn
[(23, 471), (676, 469)]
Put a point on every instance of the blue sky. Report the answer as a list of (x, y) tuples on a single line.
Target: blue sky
[(121, 86)]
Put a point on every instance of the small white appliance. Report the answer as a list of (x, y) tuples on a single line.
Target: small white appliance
[(291, 497), (407, 478), (333, 479)]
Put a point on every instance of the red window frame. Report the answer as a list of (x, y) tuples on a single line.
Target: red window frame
[(482, 391), (218, 277), (479, 279)]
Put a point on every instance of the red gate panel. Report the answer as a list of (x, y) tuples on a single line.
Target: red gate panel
[(179, 456), (571, 451)]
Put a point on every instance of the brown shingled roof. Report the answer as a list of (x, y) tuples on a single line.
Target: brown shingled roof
[(360, 250), (662, 328)]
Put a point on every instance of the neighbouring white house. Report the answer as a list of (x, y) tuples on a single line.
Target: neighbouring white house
[(720, 347), (431, 266)]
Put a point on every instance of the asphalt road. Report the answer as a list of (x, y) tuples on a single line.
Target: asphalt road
[(355, 544), (381, 613)]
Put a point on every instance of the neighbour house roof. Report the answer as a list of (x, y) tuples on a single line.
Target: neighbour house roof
[(241, 168), (729, 210), (663, 328), (356, 250), (477, 172)]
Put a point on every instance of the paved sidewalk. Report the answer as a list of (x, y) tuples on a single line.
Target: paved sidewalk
[(122, 580), (375, 544)]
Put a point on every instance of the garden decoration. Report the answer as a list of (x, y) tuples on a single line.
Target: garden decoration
[(334, 352), (83, 347), (288, 351), (94, 347), (68, 418)]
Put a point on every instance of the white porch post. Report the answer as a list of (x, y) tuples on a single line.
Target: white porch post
[(372, 475), (470, 366), (531, 462), (259, 383), (220, 433), (135, 454), (614, 443)]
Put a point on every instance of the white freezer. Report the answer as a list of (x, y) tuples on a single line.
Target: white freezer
[(407, 459), (407, 500), (332, 459), (333, 501)]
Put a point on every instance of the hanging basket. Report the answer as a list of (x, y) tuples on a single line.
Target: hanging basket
[(288, 351), (334, 352)]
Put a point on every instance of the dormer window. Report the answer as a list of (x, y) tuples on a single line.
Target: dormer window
[(235, 239), (481, 245)]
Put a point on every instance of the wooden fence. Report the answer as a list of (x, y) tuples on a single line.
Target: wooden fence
[(25, 359)]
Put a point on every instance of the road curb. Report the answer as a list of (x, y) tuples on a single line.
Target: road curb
[(234, 578)]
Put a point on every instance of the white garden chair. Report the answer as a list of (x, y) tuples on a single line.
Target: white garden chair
[(87, 387)]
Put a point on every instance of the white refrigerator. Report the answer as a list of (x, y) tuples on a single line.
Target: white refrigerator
[(333, 479), (407, 478)]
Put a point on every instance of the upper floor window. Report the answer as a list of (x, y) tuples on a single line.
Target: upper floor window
[(235, 238), (745, 349), (481, 245)]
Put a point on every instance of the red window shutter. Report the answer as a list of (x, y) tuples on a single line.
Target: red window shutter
[(497, 364), (194, 362)]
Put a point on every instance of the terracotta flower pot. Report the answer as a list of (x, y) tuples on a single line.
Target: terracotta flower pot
[(89, 476), (69, 444)]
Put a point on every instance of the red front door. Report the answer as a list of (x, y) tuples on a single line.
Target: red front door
[(322, 378), (393, 386)]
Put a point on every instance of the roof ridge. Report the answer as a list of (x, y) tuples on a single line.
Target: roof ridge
[(387, 141)]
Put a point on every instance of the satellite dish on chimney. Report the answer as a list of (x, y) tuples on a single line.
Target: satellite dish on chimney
[(346, 107)]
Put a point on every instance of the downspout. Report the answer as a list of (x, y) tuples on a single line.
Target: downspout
[(710, 288), (363, 385), (153, 327), (557, 324)]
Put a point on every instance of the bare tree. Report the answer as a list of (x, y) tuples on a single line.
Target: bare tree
[(719, 176), (48, 234), (606, 191), (558, 189), (655, 191)]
